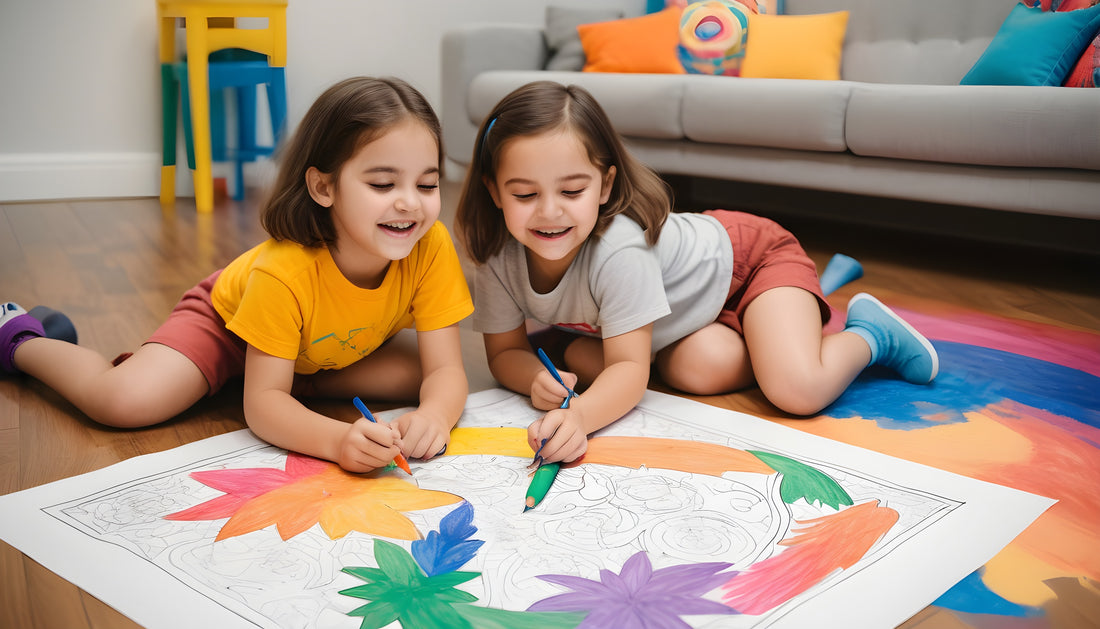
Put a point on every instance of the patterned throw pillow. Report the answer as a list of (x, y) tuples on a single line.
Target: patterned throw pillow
[(713, 35), (1086, 72)]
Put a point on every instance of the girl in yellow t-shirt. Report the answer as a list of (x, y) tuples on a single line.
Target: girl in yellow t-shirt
[(356, 254)]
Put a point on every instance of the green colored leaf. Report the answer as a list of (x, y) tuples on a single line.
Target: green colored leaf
[(375, 615), (489, 618), (369, 592), (366, 574), (397, 563), (451, 579), (802, 481)]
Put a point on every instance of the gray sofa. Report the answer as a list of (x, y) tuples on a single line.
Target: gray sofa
[(897, 126)]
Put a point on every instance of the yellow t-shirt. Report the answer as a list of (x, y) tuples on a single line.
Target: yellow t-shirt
[(292, 302)]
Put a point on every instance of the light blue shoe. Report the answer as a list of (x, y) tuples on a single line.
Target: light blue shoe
[(894, 343)]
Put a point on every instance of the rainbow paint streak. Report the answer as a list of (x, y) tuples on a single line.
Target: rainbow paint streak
[(1016, 403)]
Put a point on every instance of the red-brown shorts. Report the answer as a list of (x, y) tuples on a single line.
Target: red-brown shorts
[(197, 331), (765, 256)]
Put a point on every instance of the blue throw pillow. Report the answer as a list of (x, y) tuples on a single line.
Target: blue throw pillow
[(1035, 47)]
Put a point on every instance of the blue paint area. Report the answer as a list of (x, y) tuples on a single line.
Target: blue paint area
[(971, 595), (970, 378)]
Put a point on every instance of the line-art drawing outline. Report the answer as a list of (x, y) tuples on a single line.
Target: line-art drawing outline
[(598, 517)]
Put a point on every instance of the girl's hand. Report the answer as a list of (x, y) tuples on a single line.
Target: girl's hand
[(547, 393), (423, 434), (563, 430), (368, 446)]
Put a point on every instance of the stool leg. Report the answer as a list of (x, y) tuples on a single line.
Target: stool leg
[(188, 132), (200, 113), (217, 123), (246, 134), (276, 98), (169, 97)]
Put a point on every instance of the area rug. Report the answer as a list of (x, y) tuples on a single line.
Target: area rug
[(1016, 403)]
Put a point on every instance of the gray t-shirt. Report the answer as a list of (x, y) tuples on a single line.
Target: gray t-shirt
[(617, 283)]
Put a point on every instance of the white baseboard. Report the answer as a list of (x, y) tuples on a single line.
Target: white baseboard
[(45, 176)]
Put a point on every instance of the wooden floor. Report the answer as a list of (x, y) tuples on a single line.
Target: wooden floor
[(116, 267)]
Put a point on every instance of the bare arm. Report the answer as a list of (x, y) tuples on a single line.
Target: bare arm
[(618, 388), (514, 365), (281, 420), (443, 394)]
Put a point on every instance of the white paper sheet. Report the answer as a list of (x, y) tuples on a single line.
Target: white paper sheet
[(105, 531)]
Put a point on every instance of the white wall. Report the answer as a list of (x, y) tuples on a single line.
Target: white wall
[(80, 80)]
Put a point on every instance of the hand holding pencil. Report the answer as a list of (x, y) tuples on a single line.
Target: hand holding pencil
[(551, 388), (543, 434), (399, 458)]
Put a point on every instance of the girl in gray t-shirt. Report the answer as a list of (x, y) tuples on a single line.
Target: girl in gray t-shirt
[(569, 230)]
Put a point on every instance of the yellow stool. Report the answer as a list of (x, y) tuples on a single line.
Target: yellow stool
[(201, 41)]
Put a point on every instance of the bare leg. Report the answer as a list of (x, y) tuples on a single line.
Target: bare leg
[(155, 384), (798, 369), (709, 361), (391, 372)]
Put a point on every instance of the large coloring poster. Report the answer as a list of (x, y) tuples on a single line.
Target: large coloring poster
[(679, 514)]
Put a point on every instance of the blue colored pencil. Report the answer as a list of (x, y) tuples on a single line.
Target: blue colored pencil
[(400, 459), (545, 474)]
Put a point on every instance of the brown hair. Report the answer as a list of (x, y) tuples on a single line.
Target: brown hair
[(343, 119), (537, 108)]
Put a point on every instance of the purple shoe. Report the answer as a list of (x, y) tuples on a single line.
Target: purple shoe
[(16, 326)]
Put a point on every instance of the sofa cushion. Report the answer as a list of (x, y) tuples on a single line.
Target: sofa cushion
[(1035, 47), (988, 125), (931, 42), (781, 113), (566, 52), (795, 46), (640, 105), (635, 44)]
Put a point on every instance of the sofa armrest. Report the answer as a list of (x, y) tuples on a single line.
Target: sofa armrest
[(468, 51)]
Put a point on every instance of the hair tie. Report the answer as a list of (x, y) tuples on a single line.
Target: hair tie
[(485, 138)]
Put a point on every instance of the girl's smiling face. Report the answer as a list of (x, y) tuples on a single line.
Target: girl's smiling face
[(383, 200), (550, 193)]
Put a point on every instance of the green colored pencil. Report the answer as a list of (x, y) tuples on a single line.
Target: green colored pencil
[(540, 484)]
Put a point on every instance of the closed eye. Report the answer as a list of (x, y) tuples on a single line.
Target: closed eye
[(573, 193), (382, 186), (428, 187), (524, 197)]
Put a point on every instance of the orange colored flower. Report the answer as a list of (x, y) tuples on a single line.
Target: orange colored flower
[(308, 492)]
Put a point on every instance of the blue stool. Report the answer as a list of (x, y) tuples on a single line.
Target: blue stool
[(243, 71)]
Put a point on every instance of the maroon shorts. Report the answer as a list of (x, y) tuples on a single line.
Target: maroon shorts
[(197, 331), (765, 256)]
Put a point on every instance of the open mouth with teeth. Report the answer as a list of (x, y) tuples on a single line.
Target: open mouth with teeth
[(398, 227), (552, 232)]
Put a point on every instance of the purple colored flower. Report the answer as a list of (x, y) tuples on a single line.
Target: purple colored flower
[(640, 596)]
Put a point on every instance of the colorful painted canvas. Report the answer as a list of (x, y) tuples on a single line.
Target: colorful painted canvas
[(679, 515), (1018, 403)]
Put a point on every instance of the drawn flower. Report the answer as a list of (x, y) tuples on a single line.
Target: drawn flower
[(399, 590), (640, 596), (310, 491)]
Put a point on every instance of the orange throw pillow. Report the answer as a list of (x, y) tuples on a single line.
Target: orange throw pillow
[(637, 44)]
